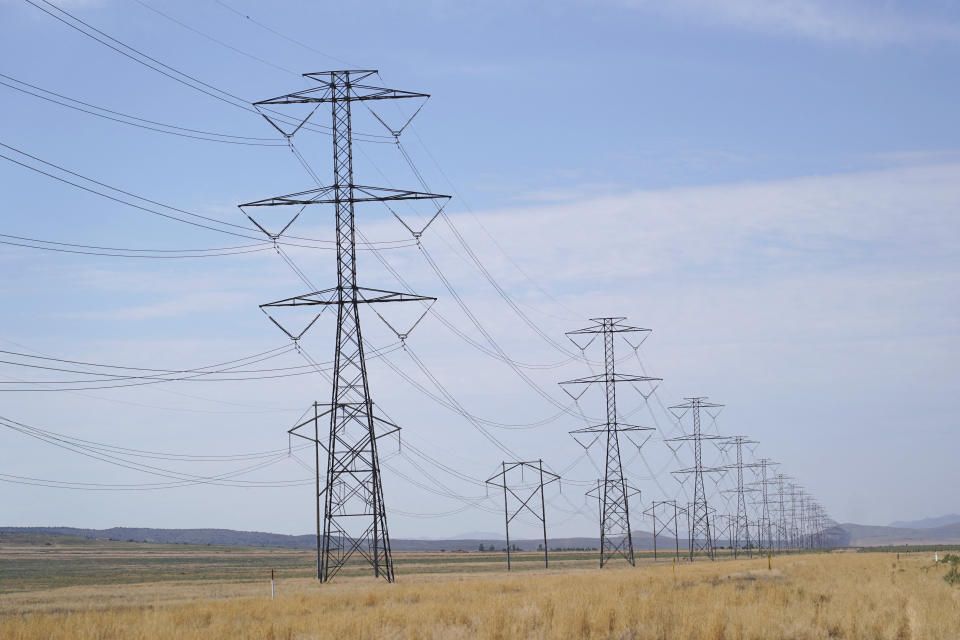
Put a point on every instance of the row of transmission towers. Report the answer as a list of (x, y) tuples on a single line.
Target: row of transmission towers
[(805, 522), (351, 515)]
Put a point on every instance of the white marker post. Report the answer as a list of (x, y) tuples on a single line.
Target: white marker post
[(271, 584)]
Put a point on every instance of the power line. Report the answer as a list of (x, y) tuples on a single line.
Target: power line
[(392, 244), (117, 252), (174, 74), (281, 35), (179, 478), (134, 121), (215, 40)]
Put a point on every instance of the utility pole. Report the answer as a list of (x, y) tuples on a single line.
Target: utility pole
[(616, 538), (500, 479), (700, 510), (354, 515)]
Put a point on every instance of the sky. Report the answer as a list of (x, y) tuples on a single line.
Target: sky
[(771, 187)]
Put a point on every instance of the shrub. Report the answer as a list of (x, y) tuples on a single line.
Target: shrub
[(953, 576)]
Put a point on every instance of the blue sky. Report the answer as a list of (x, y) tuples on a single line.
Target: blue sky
[(771, 186)]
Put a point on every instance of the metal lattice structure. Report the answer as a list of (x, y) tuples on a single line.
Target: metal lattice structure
[(740, 531), (701, 535), (670, 523), (354, 516), (764, 522), (796, 516), (501, 479), (782, 528), (616, 538)]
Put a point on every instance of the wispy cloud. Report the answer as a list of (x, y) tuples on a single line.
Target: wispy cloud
[(850, 21)]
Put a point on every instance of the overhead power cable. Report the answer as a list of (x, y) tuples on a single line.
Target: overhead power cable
[(157, 455), (181, 77), (134, 121), (179, 478), (203, 225), (118, 252), (215, 40), (281, 35), (571, 355), (120, 381), (208, 222)]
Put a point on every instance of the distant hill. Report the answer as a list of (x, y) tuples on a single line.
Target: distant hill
[(231, 538), (870, 536), (927, 523), (840, 536)]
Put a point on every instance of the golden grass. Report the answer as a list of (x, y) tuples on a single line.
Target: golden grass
[(866, 596)]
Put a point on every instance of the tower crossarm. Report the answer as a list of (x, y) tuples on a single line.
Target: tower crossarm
[(619, 426), (365, 295), (701, 470), (611, 377), (325, 91), (615, 325), (357, 193)]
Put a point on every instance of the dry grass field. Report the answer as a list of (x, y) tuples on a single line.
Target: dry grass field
[(117, 590)]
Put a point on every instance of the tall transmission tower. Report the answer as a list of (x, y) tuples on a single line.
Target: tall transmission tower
[(801, 518), (781, 481), (764, 524), (740, 531), (701, 537), (616, 538), (354, 515), (794, 517), (500, 479)]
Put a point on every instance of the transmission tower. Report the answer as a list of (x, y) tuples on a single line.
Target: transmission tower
[(354, 516), (782, 530), (794, 519), (723, 527), (803, 518), (818, 524), (764, 523), (500, 479), (670, 523), (616, 537), (741, 524), (701, 537)]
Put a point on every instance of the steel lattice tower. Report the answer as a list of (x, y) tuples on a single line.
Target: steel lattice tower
[(794, 521), (781, 511), (741, 524), (501, 480), (664, 524), (616, 538), (700, 510), (766, 524), (354, 516)]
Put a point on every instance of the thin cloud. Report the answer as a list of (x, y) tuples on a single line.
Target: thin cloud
[(844, 21)]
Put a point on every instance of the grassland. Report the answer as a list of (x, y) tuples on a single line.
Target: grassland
[(61, 589)]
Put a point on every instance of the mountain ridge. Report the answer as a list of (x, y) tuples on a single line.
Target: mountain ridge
[(847, 534), (642, 540), (927, 523)]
